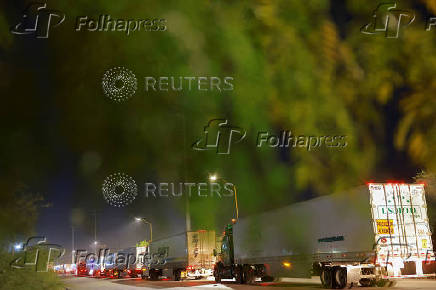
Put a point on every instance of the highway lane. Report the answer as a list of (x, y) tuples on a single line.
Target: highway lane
[(79, 283)]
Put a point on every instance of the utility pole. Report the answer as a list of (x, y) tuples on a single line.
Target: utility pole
[(185, 172), (72, 245), (95, 232)]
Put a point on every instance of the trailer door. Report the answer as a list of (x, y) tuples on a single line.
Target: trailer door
[(402, 233)]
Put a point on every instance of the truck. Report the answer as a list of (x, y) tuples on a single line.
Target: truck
[(370, 235), (188, 255)]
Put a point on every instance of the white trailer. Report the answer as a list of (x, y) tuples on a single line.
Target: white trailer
[(364, 236), (186, 255)]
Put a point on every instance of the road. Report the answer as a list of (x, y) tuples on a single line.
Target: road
[(79, 283)]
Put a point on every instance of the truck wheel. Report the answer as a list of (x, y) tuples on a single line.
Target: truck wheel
[(366, 282), (217, 273), (384, 283), (267, 279), (218, 277), (153, 274), (341, 277), (239, 275), (177, 275), (249, 276), (326, 278)]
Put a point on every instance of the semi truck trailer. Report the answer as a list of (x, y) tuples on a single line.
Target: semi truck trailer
[(187, 255), (370, 235)]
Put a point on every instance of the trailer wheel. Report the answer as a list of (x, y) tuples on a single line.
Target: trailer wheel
[(341, 277), (217, 273), (326, 278), (153, 274)]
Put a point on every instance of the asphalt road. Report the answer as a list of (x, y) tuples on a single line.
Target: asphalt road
[(79, 283)]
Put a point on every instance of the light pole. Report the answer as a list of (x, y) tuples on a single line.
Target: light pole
[(138, 219), (72, 246), (214, 178)]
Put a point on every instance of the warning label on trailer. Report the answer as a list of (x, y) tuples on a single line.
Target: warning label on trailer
[(385, 227)]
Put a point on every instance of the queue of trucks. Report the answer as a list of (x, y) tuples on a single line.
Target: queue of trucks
[(370, 235), (367, 236)]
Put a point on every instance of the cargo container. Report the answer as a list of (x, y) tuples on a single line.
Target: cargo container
[(188, 255), (367, 236)]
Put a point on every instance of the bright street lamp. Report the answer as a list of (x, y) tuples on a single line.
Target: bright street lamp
[(213, 178), (138, 219)]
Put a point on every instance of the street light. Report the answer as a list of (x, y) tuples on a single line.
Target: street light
[(213, 178), (138, 219)]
